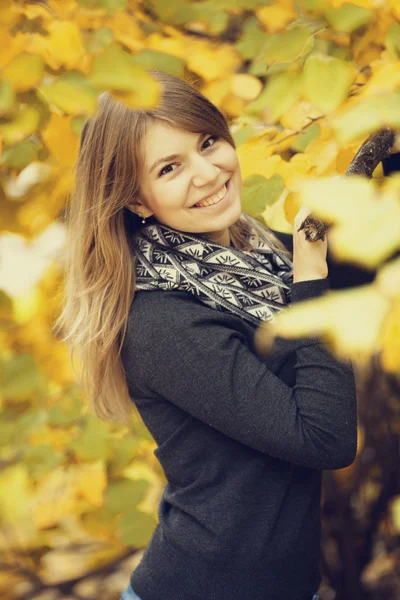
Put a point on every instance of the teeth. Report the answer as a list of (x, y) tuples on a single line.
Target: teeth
[(214, 199)]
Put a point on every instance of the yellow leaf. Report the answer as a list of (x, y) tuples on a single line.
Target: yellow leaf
[(55, 497), (246, 86), (24, 72), (368, 115), (9, 14), (59, 128), (390, 334), (60, 564), (10, 47), (46, 203), (322, 153), (367, 227), (395, 511), (349, 321), (211, 61), (385, 78), (217, 90), (338, 200), (319, 72), (26, 122), (388, 279), (126, 30), (253, 156), (92, 481), (370, 240), (299, 115), (233, 105), (174, 45), (69, 97), (280, 93), (34, 11), (62, 47), (14, 494), (277, 15), (275, 216)]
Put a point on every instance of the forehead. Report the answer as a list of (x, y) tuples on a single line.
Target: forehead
[(161, 139)]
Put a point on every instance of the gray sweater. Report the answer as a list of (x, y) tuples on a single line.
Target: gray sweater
[(242, 439)]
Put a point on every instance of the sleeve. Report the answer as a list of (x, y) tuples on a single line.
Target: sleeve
[(200, 360)]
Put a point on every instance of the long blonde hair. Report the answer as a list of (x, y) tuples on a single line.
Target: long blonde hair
[(99, 264)]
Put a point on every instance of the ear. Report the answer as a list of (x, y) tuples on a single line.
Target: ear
[(138, 207)]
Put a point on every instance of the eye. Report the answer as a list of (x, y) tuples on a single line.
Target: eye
[(163, 170), (213, 137)]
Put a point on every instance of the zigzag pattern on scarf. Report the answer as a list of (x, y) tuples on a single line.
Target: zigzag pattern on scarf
[(252, 285)]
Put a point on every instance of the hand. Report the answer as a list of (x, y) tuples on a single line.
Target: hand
[(309, 258)]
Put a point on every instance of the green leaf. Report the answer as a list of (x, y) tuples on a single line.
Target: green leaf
[(241, 136), (123, 496), (25, 122), (319, 73), (30, 420), (42, 459), (71, 93), (7, 98), (21, 378), (20, 155), (392, 41), (174, 12), (246, 4), (259, 192), (65, 414), (115, 69), (94, 442), (305, 137), (14, 494), (153, 59), (348, 17), (111, 6), (369, 115), (77, 124), (136, 528), (99, 40), (282, 90), (313, 5), (287, 46), (252, 39), (123, 452)]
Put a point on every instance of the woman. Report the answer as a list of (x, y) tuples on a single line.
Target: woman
[(167, 283)]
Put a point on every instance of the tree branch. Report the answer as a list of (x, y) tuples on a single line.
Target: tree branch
[(375, 149)]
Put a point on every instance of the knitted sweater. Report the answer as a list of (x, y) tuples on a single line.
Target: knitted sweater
[(242, 439)]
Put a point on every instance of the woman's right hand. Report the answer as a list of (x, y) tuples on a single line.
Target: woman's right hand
[(309, 258)]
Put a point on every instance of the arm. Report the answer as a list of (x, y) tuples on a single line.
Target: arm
[(199, 359)]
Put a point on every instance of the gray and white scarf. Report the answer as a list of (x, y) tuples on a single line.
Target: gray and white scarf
[(251, 284)]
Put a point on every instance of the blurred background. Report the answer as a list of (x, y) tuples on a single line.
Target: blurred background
[(302, 83)]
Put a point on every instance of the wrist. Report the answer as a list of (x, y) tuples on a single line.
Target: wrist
[(308, 277)]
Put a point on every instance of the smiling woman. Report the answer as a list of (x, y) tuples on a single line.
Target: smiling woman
[(167, 281), (202, 167)]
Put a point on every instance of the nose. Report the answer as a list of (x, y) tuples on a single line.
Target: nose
[(204, 171)]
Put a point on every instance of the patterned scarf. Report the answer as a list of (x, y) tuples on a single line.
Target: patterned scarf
[(252, 285)]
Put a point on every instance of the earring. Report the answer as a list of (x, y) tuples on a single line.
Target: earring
[(143, 220)]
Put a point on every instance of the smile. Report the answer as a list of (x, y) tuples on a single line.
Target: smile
[(216, 199)]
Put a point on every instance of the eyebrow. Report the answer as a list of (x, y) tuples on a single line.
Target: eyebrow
[(172, 156)]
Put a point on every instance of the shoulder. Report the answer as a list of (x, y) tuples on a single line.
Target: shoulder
[(174, 313), (163, 326)]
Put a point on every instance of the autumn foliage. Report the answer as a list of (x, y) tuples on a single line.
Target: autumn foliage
[(303, 83)]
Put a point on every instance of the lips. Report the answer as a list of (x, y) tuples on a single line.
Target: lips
[(211, 195)]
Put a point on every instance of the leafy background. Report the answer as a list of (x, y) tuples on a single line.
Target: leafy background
[(303, 83)]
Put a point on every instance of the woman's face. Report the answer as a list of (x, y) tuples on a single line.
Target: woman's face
[(183, 168)]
